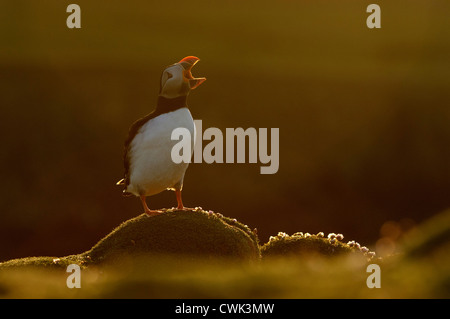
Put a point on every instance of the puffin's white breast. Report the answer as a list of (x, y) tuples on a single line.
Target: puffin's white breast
[(151, 167)]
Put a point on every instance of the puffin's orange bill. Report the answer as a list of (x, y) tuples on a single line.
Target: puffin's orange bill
[(190, 59), (193, 83)]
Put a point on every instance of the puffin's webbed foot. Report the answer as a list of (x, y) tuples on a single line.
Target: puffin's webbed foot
[(151, 213), (147, 210)]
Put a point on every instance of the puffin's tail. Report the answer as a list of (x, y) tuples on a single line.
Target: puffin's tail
[(125, 193)]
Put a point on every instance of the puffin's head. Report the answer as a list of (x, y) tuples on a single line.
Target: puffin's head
[(177, 79)]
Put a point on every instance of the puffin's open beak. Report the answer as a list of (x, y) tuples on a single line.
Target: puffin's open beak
[(187, 63)]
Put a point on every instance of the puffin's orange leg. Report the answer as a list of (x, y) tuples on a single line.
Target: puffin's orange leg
[(147, 210), (179, 200)]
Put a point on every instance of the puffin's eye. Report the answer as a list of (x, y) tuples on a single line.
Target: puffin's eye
[(169, 75)]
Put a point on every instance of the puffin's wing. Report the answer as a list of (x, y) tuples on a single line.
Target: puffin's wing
[(134, 130)]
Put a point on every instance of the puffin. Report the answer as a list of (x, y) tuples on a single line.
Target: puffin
[(149, 168)]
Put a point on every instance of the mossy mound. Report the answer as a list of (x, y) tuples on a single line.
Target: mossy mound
[(43, 262), (196, 233), (300, 244)]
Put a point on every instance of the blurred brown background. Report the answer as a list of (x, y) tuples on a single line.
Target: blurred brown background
[(363, 114)]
